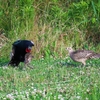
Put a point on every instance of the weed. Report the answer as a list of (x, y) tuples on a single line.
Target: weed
[(50, 80)]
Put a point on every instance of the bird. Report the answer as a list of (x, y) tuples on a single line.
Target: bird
[(81, 55), (21, 52)]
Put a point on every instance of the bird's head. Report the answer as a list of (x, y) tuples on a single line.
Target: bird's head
[(69, 49)]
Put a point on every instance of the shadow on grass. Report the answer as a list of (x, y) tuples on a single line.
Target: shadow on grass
[(67, 64), (2, 64), (72, 64), (3, 61), (78, 65)]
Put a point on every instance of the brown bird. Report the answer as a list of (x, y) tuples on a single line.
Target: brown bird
[(82, 55)]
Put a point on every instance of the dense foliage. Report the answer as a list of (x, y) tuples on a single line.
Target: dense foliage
[(52, 24)]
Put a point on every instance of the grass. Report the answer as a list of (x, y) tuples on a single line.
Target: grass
[(52, 25), (51, 79)]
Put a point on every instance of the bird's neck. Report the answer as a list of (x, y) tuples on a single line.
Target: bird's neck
[(70, 51)]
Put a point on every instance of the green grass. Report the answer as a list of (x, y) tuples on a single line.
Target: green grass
[(53, 25), (51, 79)]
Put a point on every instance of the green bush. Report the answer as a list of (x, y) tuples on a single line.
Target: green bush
[(52, 25), (16, 16)]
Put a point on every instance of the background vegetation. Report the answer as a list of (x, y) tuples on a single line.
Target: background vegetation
[(52, 25)]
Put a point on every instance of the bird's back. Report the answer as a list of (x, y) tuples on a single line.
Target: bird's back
[(81, 54)]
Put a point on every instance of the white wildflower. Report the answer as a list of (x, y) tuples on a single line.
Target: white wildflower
[(11, 97), (86, 98), (35, 90), (81, 72), (59, 96), (78, 97)]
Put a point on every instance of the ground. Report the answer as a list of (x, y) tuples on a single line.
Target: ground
[(51, 79)]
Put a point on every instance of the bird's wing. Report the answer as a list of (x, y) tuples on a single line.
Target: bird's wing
[(95, 56), (79, 54)]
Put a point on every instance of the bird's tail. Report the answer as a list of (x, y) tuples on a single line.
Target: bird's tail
[(95, 56)]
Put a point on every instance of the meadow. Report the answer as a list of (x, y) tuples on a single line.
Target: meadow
[(52, 25), (51, 79)]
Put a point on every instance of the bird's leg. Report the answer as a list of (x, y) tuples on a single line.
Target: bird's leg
[(28, 65), (28, 58), (12, 52), (83, 64)]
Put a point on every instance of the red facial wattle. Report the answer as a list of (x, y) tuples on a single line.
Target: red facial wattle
[(28, 50)]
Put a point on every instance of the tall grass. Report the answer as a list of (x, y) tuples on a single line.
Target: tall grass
[(16, 17), (61, 25), (16, 21), (52, 25)]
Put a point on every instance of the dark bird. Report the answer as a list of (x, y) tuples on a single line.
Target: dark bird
[(21, 52), (82, 55)]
